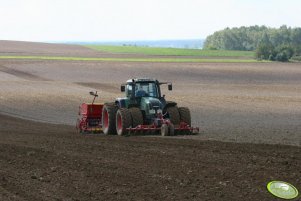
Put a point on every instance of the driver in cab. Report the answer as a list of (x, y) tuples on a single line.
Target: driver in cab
[(140, 92)]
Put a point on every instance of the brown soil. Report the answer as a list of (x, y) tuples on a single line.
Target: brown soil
[(257, 103), (50, 162), (252, 105)]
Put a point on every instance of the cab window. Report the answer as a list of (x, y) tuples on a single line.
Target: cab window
[(129, 90), (146, 90)]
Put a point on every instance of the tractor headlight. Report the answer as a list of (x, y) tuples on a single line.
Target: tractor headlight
[(153, 107), (152, 111)]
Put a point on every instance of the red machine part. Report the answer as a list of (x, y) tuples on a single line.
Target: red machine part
[(89, 120), (182, 128)]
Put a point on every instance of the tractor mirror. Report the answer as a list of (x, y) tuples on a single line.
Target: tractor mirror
[(122, 88), (170, 87)]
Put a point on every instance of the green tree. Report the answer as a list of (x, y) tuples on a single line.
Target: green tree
[(265, 51), (269, 43)]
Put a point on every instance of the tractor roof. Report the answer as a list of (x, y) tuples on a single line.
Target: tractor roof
[(141, 80)]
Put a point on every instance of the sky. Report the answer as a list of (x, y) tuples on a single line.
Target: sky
[(110, 20)]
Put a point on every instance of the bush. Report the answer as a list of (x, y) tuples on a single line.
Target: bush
[(272, 57), (281, 56), (288, 50), (212, 48), (296, 58), (266, 51)]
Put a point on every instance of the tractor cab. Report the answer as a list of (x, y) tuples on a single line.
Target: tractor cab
[(144, 87), (141, 89), (145, 94)]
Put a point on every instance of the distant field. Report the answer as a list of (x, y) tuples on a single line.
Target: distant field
[(150, 54), (163, 60), (171, 51)]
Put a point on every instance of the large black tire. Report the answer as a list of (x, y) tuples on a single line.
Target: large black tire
[(108, 119), (123, 121), (174, 115), (185, 115), (137, 117), (171, 129)]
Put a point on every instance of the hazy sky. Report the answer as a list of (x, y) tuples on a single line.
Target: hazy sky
[(99, 20)]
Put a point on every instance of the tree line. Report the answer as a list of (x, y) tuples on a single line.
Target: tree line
[(276, 44)]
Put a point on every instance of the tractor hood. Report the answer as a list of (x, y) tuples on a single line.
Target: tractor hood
[(148, 103), (152, 102)]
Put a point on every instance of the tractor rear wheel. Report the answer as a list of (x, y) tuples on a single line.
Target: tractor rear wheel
[(185, 115), (137, 117), (123, 121), (174, 115), (171, 129), (108, 119)]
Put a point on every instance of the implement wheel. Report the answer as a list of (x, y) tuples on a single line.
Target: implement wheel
[(164, 130), (123, 121), (174, 115), (108, 119)]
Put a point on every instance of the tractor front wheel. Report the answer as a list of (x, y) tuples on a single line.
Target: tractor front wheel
[(123, 121), (137, 117), (174, 115)]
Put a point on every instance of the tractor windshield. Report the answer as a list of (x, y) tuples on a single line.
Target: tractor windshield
[(146, 89)]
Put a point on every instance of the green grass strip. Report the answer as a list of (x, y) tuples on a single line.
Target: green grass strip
[(171, 51), (163, 60)]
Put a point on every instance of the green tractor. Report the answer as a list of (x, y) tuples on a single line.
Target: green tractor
[(144, 109)]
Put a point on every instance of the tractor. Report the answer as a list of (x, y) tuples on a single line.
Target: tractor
[(142, 110)]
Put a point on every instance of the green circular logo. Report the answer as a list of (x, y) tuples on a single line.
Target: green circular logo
[(282, 190)]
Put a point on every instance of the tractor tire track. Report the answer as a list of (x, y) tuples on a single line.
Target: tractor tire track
[(21, 74)]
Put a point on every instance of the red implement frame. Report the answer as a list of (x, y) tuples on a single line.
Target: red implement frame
[(155, 127), (182, 127)]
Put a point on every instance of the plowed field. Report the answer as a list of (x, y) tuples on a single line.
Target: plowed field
[(249, 115)]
